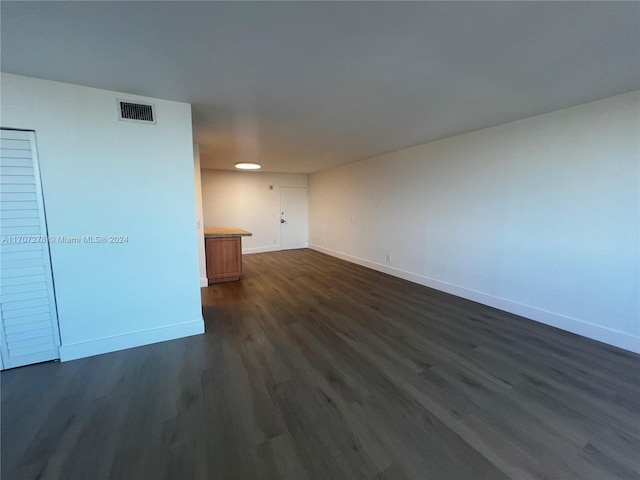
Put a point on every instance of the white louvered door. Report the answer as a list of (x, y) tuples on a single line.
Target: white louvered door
[(28, 319)]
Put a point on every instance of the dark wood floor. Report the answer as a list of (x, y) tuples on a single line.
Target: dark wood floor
[(315, 368)]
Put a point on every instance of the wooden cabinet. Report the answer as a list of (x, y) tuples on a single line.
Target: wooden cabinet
[(224, 259)]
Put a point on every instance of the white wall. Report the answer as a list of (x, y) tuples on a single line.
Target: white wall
[(539, 217), (243, 199), (202, 259), (101, 176)]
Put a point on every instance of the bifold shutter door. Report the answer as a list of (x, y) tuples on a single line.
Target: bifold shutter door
[(28, 319)]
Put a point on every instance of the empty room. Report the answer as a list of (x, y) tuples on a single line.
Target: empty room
[(319, 240)]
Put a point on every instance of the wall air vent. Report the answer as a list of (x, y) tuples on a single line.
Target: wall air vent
[(136, 112)]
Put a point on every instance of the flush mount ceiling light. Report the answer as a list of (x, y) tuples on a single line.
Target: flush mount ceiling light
[(248, 166)]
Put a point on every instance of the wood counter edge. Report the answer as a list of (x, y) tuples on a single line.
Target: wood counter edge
[(226, 232)]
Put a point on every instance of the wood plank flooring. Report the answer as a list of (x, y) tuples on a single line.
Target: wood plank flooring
[(314, 368)]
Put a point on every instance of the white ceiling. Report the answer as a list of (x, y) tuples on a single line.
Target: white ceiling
[(300, 87)]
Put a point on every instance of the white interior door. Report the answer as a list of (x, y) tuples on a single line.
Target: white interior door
[(28, 318), (294, 213)]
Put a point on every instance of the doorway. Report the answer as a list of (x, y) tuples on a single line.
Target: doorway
[(294, 222)]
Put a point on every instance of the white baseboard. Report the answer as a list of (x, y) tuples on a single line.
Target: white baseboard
[(580, 327), (204, 282), (270, 248), (99, 346)]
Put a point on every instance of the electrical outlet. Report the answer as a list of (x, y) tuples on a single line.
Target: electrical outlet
[(388, 257), (275, 240), (351, 218)]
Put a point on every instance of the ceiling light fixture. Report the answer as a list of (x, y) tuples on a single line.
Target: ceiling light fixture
[(248, 166)]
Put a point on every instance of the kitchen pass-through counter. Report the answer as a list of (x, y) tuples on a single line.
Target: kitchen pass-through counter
[(223, 248)]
